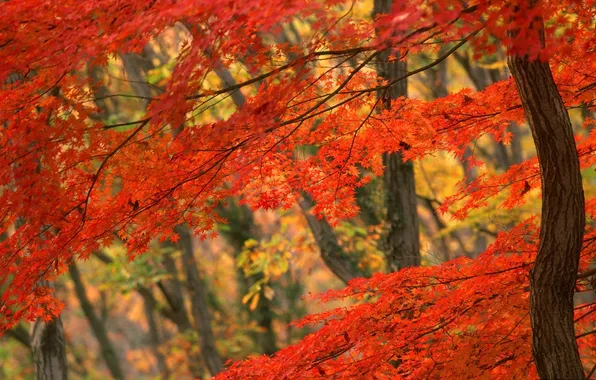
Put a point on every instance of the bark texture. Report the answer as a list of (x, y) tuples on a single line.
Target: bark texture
[(402, 242), (48, 347), (554, 273)]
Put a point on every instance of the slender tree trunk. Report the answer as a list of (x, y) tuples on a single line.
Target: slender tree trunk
[(173, 290), (265, 317), (21, 335), (553, 276), (175, 310), (107, 348), (155, 336), (482, 78), (263, 314), (242, 228), (402, 244), (331, 252), (49, 349), (200, 308)]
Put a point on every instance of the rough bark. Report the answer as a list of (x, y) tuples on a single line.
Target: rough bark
[(553, 276), (402, 245), (48, 347), (199, 305), (107, 348), (402, 242)]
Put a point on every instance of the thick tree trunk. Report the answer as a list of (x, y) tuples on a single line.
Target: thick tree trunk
[(554, 273), (49, 349), (107, 348), (402, 244)]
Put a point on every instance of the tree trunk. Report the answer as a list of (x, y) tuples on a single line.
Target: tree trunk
[(263, 314), (265, 317), (504, 156), (107, 349), (172, 291), (21, 335), (331, 252), (553, 276), (402, 244), (48, 347), (241, 228), (155, 337), (199, 306)]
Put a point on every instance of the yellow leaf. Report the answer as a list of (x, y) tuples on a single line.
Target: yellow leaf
[(254, 302), (251, 243)]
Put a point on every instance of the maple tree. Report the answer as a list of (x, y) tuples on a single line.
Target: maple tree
[(309, 118)]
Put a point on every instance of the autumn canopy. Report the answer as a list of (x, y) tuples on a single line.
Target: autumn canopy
[(310, 123)]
